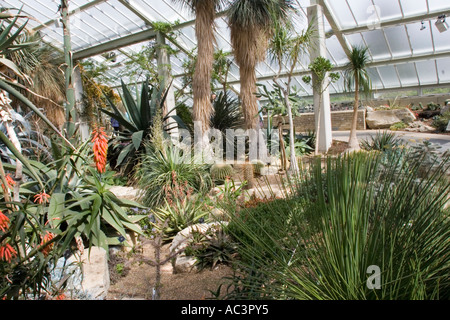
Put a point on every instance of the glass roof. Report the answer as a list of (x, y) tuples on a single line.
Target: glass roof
[(406, 47)]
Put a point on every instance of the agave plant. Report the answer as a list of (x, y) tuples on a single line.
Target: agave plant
[(136, 121)]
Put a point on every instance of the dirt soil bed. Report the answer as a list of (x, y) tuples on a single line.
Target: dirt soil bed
[(137, 281)]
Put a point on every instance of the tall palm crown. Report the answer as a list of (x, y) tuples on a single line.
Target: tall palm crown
[(251, 25), (357, 77), (205, 11)]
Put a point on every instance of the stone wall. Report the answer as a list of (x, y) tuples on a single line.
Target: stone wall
[(340, 121)]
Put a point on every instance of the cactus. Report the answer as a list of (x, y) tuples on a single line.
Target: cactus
[(219, 172), (257, 166)]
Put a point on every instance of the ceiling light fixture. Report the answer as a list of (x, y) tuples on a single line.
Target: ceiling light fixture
[(441, 24), (423, 27)]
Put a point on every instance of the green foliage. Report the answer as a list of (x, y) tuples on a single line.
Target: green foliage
[(179, 213), (441, 122), (162, 170), (364, 212), (382, 141), (227, 113), (136, 122), (321, 68), (398, 126), (356, 69), (211, 248)]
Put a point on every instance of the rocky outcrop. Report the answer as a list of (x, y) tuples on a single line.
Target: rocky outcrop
[(384, 119)]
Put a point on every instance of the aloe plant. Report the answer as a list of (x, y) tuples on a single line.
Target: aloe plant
[(137, 121)]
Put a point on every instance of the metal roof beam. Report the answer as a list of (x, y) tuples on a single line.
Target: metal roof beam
[(334, 26), (396, 22), (77, 10), (432, 56), (137, 11), (128, 40)]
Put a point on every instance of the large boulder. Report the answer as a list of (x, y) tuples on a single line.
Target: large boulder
[(128, 193), (86, 278), (384, 119), (95, 273)]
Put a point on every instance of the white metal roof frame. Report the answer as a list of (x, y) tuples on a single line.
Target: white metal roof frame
[(407, 49)]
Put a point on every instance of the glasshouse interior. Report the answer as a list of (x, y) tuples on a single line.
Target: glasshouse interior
[(224, 149)]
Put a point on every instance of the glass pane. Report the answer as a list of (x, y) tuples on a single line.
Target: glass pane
[(389, 76), (443, 67), (223, 35), (420, 39), (156, 10), (364, 11), (426, 71), (375, 77), (414, 7), (377, 44), (335, 49), (437, 5), (342, 13), (408, 74), (388, 9), (398, 41)]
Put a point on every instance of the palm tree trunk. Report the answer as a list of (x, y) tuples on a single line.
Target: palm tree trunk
[(353, 141), (201, 84)]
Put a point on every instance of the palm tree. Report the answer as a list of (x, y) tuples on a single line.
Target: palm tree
[(251, 27), (251, 24), (357, 77), (205, 11)]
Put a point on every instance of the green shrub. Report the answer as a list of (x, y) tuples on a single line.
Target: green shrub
[(441, 122), (399, 126), (161, 170), (364, 212), (382, 141)]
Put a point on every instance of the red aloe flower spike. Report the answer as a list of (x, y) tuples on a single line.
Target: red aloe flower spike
[(4, 222), (46, 238), (100, 148), (7, 253), (41, 198)]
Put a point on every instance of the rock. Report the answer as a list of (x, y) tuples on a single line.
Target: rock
[(448, 127), (384, 119), (95, 273), (69, 268), (183, 263), (128, 193), (419, 126), (445, 109), (85, 280), (369, 109)]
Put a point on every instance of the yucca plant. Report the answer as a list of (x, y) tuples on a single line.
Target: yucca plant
[(136, 122), (364, 215)]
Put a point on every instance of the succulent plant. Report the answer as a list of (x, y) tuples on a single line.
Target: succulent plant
[(257, 166), (220, 171)]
